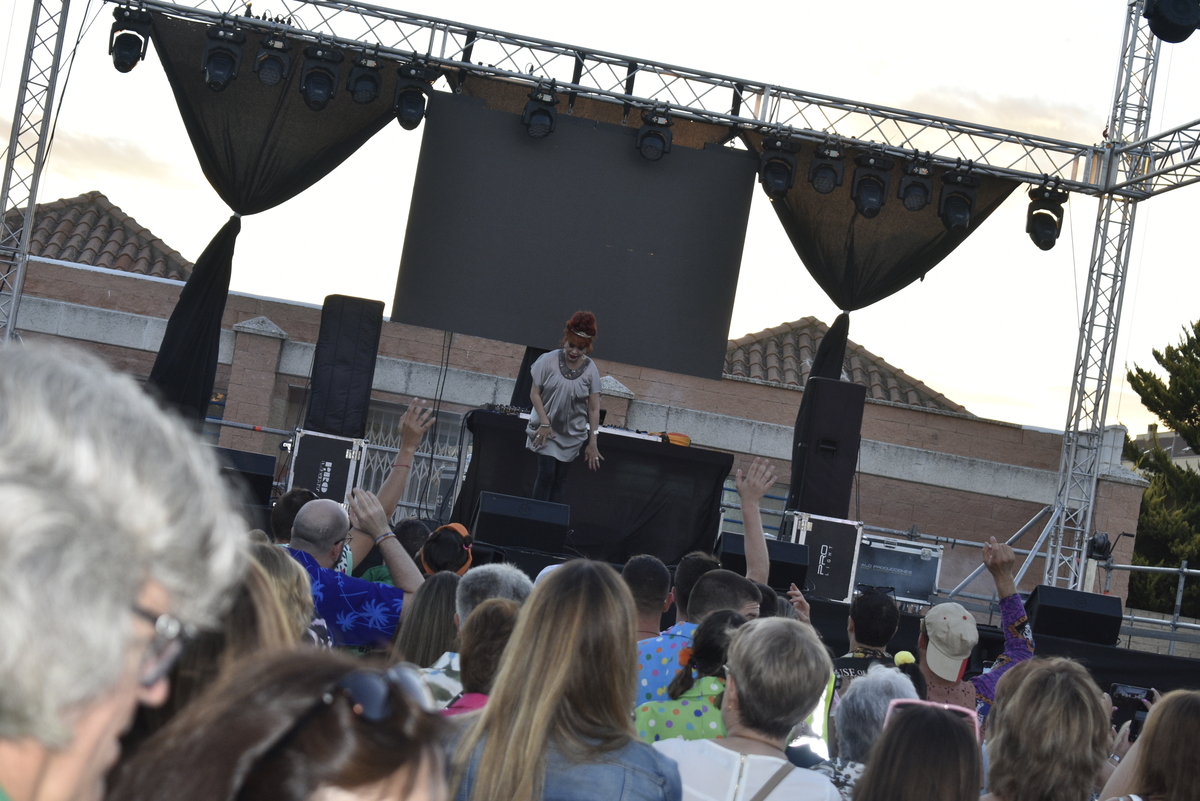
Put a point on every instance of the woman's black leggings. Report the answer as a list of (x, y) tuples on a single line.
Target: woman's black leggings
[(551, 478)]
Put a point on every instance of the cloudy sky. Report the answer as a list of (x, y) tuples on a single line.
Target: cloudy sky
[(993, 327)]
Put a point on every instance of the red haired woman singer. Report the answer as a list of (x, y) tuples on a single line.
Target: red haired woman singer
[(566, 408)]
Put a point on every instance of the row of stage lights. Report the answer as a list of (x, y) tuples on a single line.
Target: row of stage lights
[(778, 162), (319, 79)]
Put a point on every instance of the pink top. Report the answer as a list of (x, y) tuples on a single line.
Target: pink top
[(468, 702)]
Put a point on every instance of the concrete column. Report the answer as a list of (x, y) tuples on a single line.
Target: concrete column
[(614, 400), (252, 382)]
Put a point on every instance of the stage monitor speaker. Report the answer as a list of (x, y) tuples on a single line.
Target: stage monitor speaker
[(825, 447), (509, 521), (1085, 616), (252, 476), (344, 366), (789, 561)]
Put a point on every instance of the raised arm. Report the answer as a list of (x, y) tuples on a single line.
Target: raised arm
[(417, 419), (367, 515), (751, 488)]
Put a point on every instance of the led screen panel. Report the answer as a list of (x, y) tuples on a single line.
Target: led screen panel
[(509, 235)]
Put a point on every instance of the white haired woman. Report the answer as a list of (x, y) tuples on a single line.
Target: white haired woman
[(775, 675)]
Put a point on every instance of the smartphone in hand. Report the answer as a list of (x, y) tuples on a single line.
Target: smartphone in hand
[(1127, 705)]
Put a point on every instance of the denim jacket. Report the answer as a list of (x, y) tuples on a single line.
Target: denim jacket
[(635, 772)]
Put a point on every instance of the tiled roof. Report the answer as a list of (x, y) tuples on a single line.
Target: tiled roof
[(784, 355), (90, 230)]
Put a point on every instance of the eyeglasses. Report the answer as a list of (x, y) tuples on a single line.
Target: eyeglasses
[(170, 637), (367, 692), (906, 703)]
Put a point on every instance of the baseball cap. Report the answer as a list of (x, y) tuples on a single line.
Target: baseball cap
[(952, 634)]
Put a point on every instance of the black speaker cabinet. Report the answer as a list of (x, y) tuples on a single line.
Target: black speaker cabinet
[(825, 447), (252, 476), (513, 522), (344, 366), (1085, 616), (789, 560)]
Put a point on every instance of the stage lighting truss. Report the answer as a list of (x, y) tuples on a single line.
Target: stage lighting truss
[(416, 80), (916, 184), (222, 56), (777, 166), (272, 62), (365, 80), (1172, 20), (1043, 222), (129, 37), (872, 179), (654, 137), (958, 200), (539, 117), (319, 82), (827, 171)]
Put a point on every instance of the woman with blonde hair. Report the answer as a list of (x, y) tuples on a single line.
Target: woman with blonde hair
[(1048, 733), (1162, 764), (557, 722), (291, 584)]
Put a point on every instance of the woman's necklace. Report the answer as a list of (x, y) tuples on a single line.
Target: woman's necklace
[(567, 371)]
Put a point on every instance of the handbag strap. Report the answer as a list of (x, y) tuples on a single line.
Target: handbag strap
[(773, 782)]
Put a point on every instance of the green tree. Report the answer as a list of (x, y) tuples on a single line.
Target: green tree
[(1169, 519)]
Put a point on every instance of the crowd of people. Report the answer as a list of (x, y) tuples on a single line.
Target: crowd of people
[(152, 648)]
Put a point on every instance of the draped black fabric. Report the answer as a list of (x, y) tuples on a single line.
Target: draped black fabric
[(258, 145), (831, 353), (186, 365), (858, 261)]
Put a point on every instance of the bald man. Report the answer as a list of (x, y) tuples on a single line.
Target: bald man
[(357, 612)]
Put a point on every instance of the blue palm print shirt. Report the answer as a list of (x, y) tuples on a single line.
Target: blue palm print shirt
[(356, 611)]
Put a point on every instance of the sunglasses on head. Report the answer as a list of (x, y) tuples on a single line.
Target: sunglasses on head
[(898, 705), (871, 589)]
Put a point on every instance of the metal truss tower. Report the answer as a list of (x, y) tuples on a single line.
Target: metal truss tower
[(27, 151), (1111, 245), (1128, 167)]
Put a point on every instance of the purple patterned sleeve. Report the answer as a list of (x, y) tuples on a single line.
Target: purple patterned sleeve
[(1018, 646)]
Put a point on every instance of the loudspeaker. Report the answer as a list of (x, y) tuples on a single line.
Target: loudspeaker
[(513, 522), (1085, 616), (344, 366), (252, 476), (789, 561), (521, 390), (825, 447)]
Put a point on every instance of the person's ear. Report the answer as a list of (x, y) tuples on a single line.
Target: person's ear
[(670, 600)]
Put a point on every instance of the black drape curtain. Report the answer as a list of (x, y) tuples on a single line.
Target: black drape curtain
[(258, 146)]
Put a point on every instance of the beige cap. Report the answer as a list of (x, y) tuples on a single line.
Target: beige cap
[(952, 635)]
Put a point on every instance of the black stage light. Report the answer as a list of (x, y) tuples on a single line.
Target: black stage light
[(1172, 20), (365, 81), (129, 37), (539, 117), (222, 56), (272, 62), (872, 178), (1043, 222), (957, 200), (777, 166), (916, 187), (654, 137), (320, 79), (416, 79), (826, 171)]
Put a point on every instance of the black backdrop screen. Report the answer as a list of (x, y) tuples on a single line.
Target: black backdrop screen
[(508, 236)]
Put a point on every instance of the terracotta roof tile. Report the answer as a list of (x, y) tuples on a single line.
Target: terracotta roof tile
[(90, 230), (784, 354)]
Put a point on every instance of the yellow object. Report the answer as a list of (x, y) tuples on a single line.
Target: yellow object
[(904, 658)]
